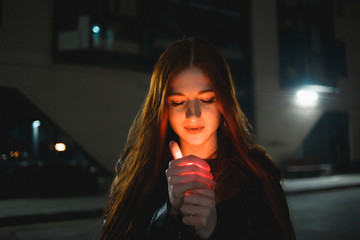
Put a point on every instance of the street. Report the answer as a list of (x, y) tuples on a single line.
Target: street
[(330, 215), (84, 229)]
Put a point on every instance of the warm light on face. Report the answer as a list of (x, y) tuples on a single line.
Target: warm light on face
[(193, 111), (60, 147), (306, 98)]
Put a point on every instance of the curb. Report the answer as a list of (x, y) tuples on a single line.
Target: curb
[(52, 217), (324, 189), (290, 188)]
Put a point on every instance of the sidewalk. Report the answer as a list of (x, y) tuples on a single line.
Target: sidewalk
[(322, 183), (25, 211)]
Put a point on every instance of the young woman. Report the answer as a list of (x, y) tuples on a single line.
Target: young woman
[(190, 169)]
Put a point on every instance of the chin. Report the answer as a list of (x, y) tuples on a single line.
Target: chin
[(195, 141)]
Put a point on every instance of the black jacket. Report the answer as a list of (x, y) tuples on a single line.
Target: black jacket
[(246, 215)]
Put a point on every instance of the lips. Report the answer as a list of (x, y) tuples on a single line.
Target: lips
[(194, 130)]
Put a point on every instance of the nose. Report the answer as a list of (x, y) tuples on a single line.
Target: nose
[(193, 109)]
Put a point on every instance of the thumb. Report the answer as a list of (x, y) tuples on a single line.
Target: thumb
[(175, 150)]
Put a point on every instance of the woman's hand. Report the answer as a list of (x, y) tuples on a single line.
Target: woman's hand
[(199, 211), (191, 191)]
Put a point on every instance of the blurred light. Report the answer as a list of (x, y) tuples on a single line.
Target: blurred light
[(96, 29), (306, 98), (36, 124), (320, 88), (60, 147), (14, 154)]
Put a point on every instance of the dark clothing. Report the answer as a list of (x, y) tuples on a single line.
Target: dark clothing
[(246, 215)]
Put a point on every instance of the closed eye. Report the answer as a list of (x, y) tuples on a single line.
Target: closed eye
[(211, 100), (177, 103)]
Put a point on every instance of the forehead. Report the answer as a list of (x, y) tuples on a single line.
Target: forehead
[(190, 79)]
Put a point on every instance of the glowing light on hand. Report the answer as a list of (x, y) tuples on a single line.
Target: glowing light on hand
[(177, 152), (200, 166)]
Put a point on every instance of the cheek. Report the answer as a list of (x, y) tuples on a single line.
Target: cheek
[(174, 118), (213, 116)]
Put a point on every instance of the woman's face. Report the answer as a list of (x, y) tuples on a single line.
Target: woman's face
[(193, 111)]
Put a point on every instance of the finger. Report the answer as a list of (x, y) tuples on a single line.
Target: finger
[(203, 191), (179, 190), (199, 200), (190, 169), (175, 150), (172, 180), (194, 210), (194, 221), (195, 215), (190, 160)]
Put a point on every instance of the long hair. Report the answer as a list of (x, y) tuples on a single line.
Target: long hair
[(147, 152)]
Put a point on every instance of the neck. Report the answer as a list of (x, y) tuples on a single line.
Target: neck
[(206, 150)]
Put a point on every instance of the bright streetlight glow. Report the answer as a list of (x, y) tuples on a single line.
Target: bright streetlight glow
[(36, 124), (96, 29), (60, 147), (306, 98)]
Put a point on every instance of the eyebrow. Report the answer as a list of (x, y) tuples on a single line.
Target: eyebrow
[(173, 93)]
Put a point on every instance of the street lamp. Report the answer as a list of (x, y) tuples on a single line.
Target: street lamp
[(35, 126), (95, 29), (306, 98)]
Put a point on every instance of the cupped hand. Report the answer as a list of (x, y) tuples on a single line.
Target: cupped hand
[(191, 191), (199, 211), (184, 174)]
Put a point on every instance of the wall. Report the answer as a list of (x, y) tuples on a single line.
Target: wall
[(281, 126), (347, 29), (94, 106)]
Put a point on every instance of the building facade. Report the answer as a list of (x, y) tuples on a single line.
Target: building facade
[(87, 67)]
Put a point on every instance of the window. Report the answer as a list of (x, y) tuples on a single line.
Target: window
[(309, 52)]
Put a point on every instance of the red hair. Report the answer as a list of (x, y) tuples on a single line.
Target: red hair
[(146, 152)]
